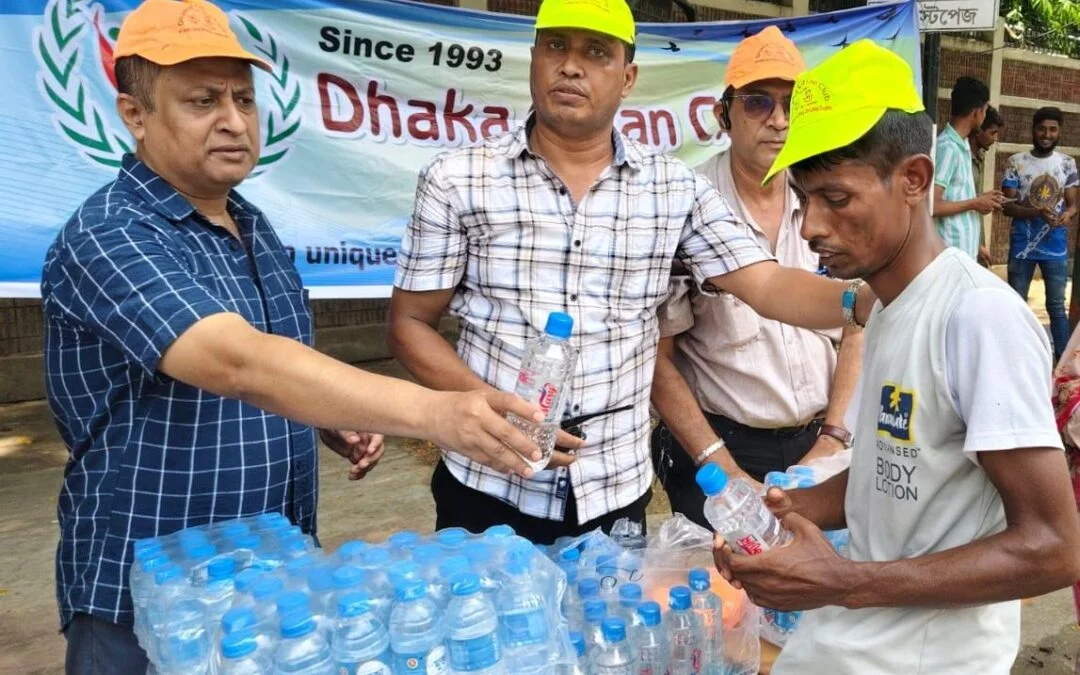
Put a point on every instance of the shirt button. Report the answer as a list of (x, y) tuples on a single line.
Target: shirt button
[(577, 242), (563, 191), (573, 297), (577, 407)]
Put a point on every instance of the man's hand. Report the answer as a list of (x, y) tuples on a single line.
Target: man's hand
[(566, 447), (1050, 216), (732, 469), (805, 574), (988, 202), (824, 446), (362, 449), (984, 257), (473, 423)]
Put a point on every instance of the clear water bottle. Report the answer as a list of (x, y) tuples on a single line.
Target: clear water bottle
[(523, 616), (401, 571), (709, 611), (683, 635), (629, 598), (574, 604), (247, 550), (142, 587), (264, 594), (292, 601), (186, 644), (297, 570), (197, 556), (240, 655), (301, 650), (352, 552), (417, 632), (615, 656), (651, 640), (502, 531), (595, 613), (448, 569), (736, 512), (267, 521), (472, 628), (452, 539), (578, 665), (170, 586), (361, 644), (217, 595), (544, 379), (402, 543), (320, 583)]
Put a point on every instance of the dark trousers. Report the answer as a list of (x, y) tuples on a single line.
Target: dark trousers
[(99, 647), (457, 505), (756, 451)]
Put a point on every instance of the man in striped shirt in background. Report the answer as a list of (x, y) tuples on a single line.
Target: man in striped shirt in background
[(956, 204)]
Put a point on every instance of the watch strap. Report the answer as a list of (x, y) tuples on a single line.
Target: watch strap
[(839, 433)]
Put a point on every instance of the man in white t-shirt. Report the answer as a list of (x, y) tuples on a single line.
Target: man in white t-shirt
[(958, 498)]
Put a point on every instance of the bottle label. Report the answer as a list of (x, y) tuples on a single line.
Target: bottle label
[(531, 388), (431, 663), (750, 544), (696, 660), (376, 667), (525, 628), (475, 654)]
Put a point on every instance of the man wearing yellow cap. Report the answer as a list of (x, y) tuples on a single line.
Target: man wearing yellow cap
[(178, 341), (958, 497), (733, 388), (566, 214)]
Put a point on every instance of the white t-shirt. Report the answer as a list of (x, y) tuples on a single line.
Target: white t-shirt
[(954, 366)]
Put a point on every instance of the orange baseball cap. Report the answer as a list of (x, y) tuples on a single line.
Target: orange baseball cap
[(168, 32), (765, 56)]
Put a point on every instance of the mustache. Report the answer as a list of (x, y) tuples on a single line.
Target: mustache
[(566, 86)]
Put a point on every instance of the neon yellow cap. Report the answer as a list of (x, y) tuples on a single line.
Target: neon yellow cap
[(610, 17), (836, 103)]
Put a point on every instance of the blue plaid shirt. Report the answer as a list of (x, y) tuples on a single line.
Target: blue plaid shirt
[(133, 269)]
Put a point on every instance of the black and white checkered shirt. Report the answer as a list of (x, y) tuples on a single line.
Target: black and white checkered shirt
[(495, 223)]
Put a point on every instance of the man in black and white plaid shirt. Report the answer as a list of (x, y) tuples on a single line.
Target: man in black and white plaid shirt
[(566, 214)]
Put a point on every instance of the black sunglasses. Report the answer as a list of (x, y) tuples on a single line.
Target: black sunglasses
[(760, 106)]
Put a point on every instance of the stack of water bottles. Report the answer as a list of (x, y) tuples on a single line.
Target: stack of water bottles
[(256, 596)]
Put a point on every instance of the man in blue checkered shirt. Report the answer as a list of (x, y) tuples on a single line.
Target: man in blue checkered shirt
[(178, 342)]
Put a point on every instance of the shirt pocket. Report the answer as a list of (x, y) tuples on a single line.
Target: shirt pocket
[(733, 323)]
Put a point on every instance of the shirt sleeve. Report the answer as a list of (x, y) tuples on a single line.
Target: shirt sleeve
[(946, 164), (124, 283), (714, 241), (434, 247), (676, 313), (998, 365), (1072, 179)]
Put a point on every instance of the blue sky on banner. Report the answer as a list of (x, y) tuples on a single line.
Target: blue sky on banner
[(63, 140)]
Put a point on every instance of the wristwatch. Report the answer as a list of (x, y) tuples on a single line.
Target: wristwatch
[(847, 303), (839, 433), (708, 452)]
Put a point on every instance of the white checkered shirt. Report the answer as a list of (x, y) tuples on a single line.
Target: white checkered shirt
[(495, 223)]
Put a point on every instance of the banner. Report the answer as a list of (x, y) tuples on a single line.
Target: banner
[(363, 94)]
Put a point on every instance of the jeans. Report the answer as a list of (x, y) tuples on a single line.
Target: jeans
[(99, 647), (1055, 274)]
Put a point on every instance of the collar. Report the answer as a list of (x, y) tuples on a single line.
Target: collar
[(162, 197), (625, 152), (951, 132), (723, 178)]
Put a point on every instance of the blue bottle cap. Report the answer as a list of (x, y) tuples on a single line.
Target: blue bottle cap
[(452, 537), (595, 610), (402, 570), (288, 532), (614, 629), (588, 588), (238, 645), (238, 619), (352, 550), (801, 471), (559, 324), (376, 557), (478, 552), (679, 598), (464, 584), (294, 544), (155, 562), (250, 542), (776, 479), (147, 548), (299, 566), (412, 589), (630, 595), (499, 531), (167, 573), (578, 640), (291, 601), (348, 576), (649, 613), (235, 529), (403, 539), (246, 578), (353, 604), (266, 587), (805, 482), (571, 555), (453, 566), (711, 479), (320, 578), (425, 554), (699, 579), (222, 568), (201, 551), (297, 624)]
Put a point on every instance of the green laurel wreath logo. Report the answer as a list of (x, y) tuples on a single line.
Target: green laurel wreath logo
[(83, 121)]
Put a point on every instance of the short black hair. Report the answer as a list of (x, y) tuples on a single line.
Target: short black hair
[(1048, 113), (897, 136), (993, 118), (135, 76), (968, 94)]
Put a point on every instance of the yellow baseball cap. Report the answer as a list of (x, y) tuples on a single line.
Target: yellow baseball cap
[(768, 55), (836, 103), (610, 17), (168, 32)]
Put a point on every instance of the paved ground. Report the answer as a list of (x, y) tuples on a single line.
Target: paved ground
[(394, 496)]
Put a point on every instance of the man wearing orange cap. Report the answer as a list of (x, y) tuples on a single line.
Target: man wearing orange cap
[(566, 214), (751, 394), (957, 499), (178, 341)]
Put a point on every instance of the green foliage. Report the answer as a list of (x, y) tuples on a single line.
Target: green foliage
[(1046, 24)]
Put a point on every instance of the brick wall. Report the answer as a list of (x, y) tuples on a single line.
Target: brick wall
[(20, 327)]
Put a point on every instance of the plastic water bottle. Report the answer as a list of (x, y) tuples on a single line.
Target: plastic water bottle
[(799, 471), (416, 633), (402, 543), (523, 616), (169, 588), (502, 531), (472, 628), (243, 620), (683, 635), (629, 599), (240, 655), (246, 551), (595, 613), (615, 656), (142, 586), (186, 641), (544, 379), (320, 583), (709, 611), (448, 569), (361, 644), (652, 644), (217, 595), (301, 650), (578, 666), (452, 539), (264, 593), (574, 602), (352, 552), (737, 513)]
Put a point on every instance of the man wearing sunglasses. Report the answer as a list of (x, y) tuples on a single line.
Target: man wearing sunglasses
[(748, 393)]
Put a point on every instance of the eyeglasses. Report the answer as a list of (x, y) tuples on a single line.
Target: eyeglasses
[(761, 106)]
